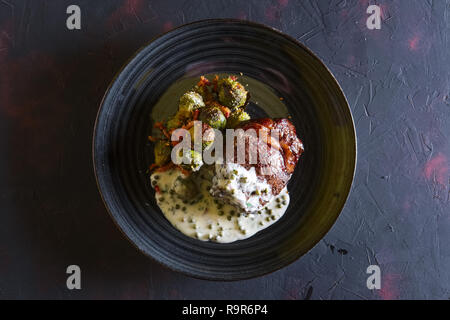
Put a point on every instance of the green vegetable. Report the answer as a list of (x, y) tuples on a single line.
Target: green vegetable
[(214, 117), (162, 152), (189, 102), (232, 94), (236, 118)]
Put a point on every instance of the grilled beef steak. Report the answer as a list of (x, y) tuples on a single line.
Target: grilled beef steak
[(276, 159), (263, 168)]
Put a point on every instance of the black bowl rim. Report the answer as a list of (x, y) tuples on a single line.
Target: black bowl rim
[(222, 20)]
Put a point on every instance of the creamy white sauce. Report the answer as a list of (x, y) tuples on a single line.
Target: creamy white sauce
[(241, 187), (205, 217)]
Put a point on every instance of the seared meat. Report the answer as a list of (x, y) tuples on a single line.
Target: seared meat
[(276, 159), (263, 168)]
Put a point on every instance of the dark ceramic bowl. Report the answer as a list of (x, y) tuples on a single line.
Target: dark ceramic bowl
[(274, 66)]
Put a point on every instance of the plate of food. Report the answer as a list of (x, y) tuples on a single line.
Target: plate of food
[(224, 149)]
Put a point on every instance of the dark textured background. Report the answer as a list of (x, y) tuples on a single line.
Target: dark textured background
[(397, 83)]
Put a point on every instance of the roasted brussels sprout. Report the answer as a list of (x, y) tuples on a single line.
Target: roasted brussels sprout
[(214, 117), (191, 160), (162, 152), (231, 93), (185, 188), (189, 102), (225, 110), (205, 92), (236, 118)]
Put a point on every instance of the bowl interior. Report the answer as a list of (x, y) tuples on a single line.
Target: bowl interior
[(273, 66)]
